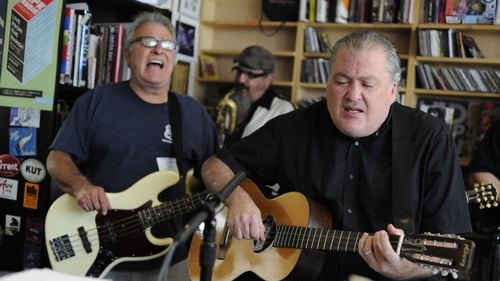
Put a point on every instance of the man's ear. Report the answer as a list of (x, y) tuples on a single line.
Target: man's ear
[(127, 56)]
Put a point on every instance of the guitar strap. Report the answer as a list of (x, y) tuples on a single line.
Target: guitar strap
[(175, 116), (402, 156)]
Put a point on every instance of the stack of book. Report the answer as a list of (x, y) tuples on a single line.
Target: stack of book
[(91, 55)]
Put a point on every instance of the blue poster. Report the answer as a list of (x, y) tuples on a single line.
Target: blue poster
[(22, 141)]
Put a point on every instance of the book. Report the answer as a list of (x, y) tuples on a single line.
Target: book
[(496, 21), (460, 44), (118, 56), (452, 46), (325, 38), (312, 10), (322, 10), (208, 67), (471, 48), (422, 78), (377, 10), (423, 42), (439, 79), (471, 11), (449, 78), (468, 79), (451, 11), (311, 40), (323, 69), (92, 60), (446, 78), (84, 45), (430, 76), (481, 86), (82, 23), (65, 70), (389, 10), (342, 11), (304, 10)]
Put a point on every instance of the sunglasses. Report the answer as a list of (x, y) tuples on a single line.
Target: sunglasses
[(250, 74), (151, 42)]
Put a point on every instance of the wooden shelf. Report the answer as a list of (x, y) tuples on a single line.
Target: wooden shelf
[(228, 26)]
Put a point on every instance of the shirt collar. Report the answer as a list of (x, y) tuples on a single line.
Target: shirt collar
[(266, 99)]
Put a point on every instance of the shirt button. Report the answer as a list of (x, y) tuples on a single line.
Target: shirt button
[(349, 211), (356, 143), (351, 177)]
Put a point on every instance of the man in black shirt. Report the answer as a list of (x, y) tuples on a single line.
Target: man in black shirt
[(375, 165)]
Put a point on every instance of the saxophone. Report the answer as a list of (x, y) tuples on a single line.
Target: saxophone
[(230, 111)]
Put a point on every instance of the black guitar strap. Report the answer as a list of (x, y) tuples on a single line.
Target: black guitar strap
[(175, 115), (402, 156)]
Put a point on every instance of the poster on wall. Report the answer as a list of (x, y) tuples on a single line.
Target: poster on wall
[(29, 53), (190, 8)]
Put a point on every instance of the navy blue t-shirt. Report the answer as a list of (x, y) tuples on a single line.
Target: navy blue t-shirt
[(116, 139)]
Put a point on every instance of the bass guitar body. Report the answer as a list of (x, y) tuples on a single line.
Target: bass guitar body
[(90, 244)]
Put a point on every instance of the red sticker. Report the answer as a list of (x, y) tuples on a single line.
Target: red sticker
[(9, 165)]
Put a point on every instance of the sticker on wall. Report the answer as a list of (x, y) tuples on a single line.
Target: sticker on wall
[(34, 230), (31, 257), (9, 165), (8, 188), (22, 141), (31, 192), (24, 117), (12, 225), (33, 242), (33, 170)]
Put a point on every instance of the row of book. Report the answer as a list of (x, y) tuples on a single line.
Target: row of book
[(314, 70), (461, 11), (468, 119), (316, 41), (447, 43), (91, 55), (343, 11), (458, 78)]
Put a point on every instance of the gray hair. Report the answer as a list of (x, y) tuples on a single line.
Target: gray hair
[(363, 41), (149, 17)]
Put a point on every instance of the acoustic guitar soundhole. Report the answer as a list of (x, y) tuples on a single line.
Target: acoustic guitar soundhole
[(269, 233)]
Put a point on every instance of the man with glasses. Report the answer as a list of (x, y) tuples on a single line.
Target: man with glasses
[(119, 133), (253, 72)]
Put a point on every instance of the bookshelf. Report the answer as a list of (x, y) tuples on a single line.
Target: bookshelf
[(226, 27)]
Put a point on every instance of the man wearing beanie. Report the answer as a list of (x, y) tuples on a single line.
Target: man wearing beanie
[(253, 71)]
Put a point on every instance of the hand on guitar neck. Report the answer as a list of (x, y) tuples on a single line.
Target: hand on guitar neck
[(385, 259)]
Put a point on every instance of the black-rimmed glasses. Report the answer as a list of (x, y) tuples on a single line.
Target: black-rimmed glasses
[(151, 42), (238, 71)]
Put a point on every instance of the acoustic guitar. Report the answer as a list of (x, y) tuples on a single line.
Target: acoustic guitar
[(298, 231)]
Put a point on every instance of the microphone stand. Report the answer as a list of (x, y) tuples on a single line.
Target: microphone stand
[(205, 215)]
